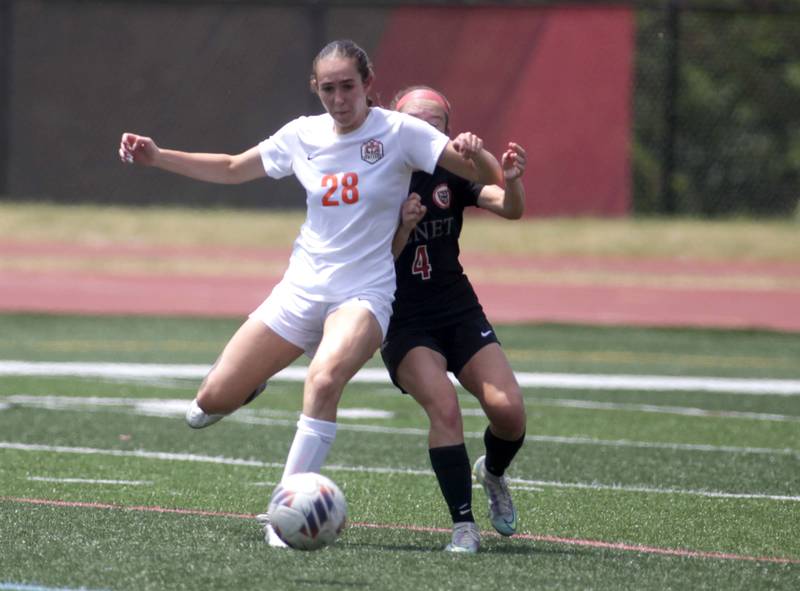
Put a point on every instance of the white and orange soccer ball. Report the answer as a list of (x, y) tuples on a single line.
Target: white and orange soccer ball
[(307, 511)]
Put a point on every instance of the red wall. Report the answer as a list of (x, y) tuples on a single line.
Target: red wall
[(556, 80)]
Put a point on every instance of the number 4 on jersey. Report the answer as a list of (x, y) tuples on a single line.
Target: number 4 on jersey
[(421, 264)]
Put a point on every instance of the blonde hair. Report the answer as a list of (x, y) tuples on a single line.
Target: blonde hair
[(397, 101)]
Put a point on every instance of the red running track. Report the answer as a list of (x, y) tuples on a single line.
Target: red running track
[(512, 289)]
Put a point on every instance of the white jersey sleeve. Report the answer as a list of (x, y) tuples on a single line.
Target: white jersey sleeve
[(277, 151), (423, 143)]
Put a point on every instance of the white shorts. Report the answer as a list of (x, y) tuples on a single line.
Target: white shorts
[(300, 320)]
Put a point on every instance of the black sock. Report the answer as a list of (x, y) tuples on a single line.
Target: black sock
[(499, 452), (451, 466)]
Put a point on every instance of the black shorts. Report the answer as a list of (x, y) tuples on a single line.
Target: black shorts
[(456, 342)]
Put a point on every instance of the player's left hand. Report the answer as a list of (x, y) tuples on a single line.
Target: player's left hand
[(468, 144), (513, 161)]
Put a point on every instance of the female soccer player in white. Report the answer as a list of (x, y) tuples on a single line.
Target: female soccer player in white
[(438, 325), (334, 301)]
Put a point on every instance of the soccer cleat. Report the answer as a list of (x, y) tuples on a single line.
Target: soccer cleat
[(502, 513), (197, 418), (466, 538), (270, 537)]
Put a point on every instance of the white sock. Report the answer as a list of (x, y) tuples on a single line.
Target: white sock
[(312, 441)]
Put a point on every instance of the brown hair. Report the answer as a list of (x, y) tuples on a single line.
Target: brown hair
[(348, 49)]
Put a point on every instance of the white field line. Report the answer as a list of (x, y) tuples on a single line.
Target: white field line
[(172, 407), (150, 455), (161, 407), (652, 490), (525, 484), (26, 587), (379, 376), (651, 408), (90, 481), (265, 484), (175, 408)]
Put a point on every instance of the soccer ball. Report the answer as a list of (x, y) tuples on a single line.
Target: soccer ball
[(307, 511)]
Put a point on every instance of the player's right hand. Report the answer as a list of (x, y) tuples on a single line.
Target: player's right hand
[(467, 144), (412, 211), (138, 149)]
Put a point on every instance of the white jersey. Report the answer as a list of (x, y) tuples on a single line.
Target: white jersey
[(355, 185)]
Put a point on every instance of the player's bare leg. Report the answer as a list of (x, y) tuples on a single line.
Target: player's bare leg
[(423, 374), (351, 336), (253, 355), (489, 377)]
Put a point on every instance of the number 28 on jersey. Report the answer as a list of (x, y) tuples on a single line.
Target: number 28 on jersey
[(340, 192)]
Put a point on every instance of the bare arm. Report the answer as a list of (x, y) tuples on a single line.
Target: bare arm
[(508, 203), (212, 168), (410, 215), (466, 157)]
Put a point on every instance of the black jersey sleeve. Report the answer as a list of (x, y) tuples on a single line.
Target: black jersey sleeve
[(467, 191)]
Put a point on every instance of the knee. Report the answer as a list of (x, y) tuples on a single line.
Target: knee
[(507, 415), (445, 418), (323, 384)]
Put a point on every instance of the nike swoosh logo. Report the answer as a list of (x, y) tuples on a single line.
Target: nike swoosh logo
[(486, 334), (464, 512)]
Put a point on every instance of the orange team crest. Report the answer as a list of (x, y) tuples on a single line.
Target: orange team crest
[(371, 151), (441, 196)]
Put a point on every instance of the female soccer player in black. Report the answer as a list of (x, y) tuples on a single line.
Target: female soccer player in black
[(438, 325)]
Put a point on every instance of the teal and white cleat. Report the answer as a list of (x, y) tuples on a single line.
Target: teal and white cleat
[(502, 512), (466, 538)]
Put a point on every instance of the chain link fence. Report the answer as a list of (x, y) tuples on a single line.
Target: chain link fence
[(717, 109), (715, 94)]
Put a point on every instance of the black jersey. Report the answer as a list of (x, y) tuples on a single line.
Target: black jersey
[(432, 288)]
